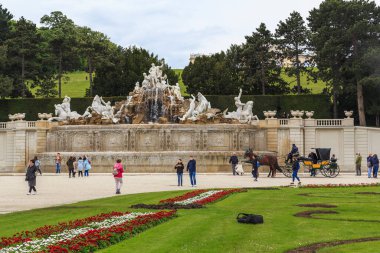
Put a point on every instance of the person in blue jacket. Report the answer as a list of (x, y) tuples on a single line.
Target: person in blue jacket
[(192, 168), (296, 167), (292, 153), (375, 164)]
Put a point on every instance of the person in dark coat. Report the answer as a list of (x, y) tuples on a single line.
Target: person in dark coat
[(30, 177), (179, 167), (295, 168), (292, 153), (234, 161), (255, 168), (70, 165), (375, 164), (192, 168)]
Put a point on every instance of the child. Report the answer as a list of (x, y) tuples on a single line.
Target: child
[(80, 167), (296, 167)]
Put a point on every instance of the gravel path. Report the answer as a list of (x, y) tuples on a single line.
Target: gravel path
[(56, 190)]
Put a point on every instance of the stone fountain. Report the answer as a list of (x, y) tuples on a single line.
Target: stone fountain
[(152, 128)]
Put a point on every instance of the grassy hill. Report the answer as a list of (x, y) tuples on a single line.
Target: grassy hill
[(76, 84)]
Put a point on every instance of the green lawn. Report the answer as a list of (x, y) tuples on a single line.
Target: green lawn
[(316, 88), (180, 82), (214, 228), (75, 86)]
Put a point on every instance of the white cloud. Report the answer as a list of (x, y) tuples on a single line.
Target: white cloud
[(170, 28)]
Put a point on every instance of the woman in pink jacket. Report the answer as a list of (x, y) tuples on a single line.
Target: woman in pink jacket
[(118, 175)]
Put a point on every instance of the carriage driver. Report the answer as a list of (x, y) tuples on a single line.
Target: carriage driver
[(293, 152)]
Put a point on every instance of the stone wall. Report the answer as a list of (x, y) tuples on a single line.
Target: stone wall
[(155, 148)]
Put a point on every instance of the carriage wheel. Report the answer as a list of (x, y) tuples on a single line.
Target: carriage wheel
[(325, 170), (334, 171), (287, 170)]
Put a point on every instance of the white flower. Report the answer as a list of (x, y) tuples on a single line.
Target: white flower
[(201, 196)]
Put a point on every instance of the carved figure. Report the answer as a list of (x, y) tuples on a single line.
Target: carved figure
[(203, 105), (189, 112), (62, 115)]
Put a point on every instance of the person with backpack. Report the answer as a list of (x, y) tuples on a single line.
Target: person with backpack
[(369, 165), (70, 165), (30, 177), (234, 161), (80, 167), (86, 165), (118, 175)]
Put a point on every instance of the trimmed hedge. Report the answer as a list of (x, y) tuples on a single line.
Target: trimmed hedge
[(318, 103)]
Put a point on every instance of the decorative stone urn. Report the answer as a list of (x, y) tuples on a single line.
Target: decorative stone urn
[(266, 114), (300, 114), (310, 114), (348, 114), (294, 113), (44, 116), (20, 116), (271, 114), (12, 117)]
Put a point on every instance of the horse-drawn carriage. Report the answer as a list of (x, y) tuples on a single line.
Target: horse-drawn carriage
[(321, 162)]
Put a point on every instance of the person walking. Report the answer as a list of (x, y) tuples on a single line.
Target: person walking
[(358, 163), (70, 165), (86, 165), (118, 175), (58, 160), (192, 168), (179, 167), (295, 167), (234, 161), (375, 164), (80, 167), (30, 177), (255, 168), (37, 162), (369, 165)]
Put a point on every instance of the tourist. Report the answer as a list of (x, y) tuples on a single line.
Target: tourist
[(255, 168), (86, 166), (369, 165), (70, 165), (75, 164), (358, 163), (234, 161), (375, 165), (37, 162), (295, 167), (192, 168), (179, 168), (292, 153), (58, 160), (31, 177), (80, 167), (118, 175)]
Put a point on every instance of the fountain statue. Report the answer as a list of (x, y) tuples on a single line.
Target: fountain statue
[(243, 111), (63, 111)]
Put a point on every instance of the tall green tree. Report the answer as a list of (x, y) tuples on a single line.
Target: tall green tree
[(342, 33), (118, 73), (60, 31), (5, 18), (23, 49), (262, 71), (292, 41), (211, 75), (93, 46)]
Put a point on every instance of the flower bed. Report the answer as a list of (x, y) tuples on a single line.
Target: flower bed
[(83, 235), (191, 200)]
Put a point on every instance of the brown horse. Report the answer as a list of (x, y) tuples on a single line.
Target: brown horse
[(264, 159)]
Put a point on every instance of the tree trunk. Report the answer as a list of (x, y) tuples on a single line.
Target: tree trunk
[(90, 75), (60, 74), (298, 72), (377, 119), (23, 76), (360, 100), (263, 82), (335, 105)]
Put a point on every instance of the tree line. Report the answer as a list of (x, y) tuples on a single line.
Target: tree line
[(341, 42), (39, 57)]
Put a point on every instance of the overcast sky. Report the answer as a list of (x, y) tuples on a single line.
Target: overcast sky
[(170, 28)]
